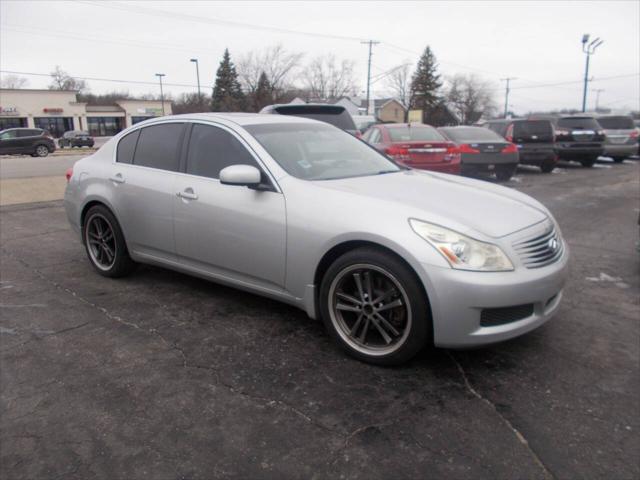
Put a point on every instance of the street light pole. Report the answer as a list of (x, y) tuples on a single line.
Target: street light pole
[(195, 60), (506, 94), (160, 75), (588, 49), (598, 91)]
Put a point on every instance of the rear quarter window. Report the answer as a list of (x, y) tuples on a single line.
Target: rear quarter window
[(127, 147)]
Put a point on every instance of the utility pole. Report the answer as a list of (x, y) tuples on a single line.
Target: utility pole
[(160, 75), (195, 60), (598, 91), (588, 49), (371, 43), (506, 94)]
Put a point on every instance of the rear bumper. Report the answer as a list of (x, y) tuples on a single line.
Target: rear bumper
[(452, 168), (578, 150), (620, 150), (537, 156), (484, 160), (458, 299)]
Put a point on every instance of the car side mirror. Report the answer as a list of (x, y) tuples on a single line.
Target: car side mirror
[(241, 175)]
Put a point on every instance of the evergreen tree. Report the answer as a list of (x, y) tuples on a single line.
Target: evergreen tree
[(425, 84), (227, 94), (262, 96)]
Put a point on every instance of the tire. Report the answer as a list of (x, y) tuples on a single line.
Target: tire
[(588, 162), (41, 151), (353, 319), (505, 172), (618, 159), (548, 166), (114, 265)]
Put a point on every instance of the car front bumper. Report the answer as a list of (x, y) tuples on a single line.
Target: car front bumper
[(458, 298)]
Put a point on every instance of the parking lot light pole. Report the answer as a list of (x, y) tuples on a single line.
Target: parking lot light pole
[(160, 75), (506, 94), (195, 60), (588, 49)]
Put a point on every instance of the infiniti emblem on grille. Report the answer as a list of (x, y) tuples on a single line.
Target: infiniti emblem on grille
[(553, 244)]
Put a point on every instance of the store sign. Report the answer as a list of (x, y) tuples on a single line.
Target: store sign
[(52, 110), (150, 111), (8, 111)]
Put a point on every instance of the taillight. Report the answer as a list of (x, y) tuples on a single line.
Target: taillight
[(465, 148), (358, 134), (69, 174), (452, 154), (634, 134), (509, 134), (511, 148), (398, 153)]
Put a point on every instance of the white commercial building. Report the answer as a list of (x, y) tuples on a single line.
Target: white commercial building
[(58, 111)]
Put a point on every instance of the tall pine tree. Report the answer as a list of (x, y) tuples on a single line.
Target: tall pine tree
[(263, 94), (227, 94), (425, 84)]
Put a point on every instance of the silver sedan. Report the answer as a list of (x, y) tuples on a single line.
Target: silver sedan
[(391, 259)]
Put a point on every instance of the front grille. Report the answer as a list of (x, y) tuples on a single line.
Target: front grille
[(491, 317), (541, 250)]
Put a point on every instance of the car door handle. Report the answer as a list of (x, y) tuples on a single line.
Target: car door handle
[(188, 194), (117, 178)]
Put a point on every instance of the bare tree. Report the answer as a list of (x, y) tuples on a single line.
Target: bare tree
[(399, 82), (276, 62), (470, 97), (325, 78), (61, 80), (13, 81)]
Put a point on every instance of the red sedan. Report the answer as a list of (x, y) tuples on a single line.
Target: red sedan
[(415, 145)]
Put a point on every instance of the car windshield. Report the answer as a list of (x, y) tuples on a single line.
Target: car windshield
[(579, 123), (472, 134), (417, 133), (616, 123), (319, 152)]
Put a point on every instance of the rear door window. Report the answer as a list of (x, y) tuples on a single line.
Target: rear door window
[(211, 149), (616, 123), (158, 146), (127, 147)]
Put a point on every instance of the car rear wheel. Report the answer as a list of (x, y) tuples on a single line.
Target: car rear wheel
[(618, 159), (548, 166), (42, 151), (105, 244), (505, 172), (588, 162), (374, 307)]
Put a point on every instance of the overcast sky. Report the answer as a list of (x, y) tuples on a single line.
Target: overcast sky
[(537, 42)]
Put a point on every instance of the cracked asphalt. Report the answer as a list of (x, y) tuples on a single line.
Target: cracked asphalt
[(164, 376)]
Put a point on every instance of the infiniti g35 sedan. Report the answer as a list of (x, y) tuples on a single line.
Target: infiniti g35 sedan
[(391, 259)]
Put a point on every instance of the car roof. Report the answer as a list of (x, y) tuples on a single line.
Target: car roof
[(298, 106), (239, 118)]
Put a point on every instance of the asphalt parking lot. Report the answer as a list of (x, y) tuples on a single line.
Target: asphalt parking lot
[(164, 376)]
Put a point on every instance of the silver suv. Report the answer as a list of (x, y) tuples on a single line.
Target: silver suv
[(622, 136)]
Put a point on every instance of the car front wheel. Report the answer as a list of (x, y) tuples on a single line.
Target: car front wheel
[(42, 151), (373, 304), (105, 244)]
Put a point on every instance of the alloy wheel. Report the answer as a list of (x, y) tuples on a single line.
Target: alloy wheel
[(101, 242), (42, 151), (370, 309)]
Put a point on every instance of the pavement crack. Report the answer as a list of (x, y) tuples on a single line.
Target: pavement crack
[(504, 420)]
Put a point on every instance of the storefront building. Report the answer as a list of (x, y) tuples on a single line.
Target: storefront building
[(58, 111)]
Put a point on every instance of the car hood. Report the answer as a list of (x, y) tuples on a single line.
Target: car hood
[(456, 202)]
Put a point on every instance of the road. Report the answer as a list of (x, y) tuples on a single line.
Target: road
[(164, 376)]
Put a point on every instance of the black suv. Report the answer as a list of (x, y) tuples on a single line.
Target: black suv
[(26, 141), (335, 115), (75, 138), (534, 139), (579, 137)]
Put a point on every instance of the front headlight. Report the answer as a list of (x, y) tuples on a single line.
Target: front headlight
[(462, 252)]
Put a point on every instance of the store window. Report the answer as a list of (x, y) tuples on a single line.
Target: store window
[(56, 126), (104, 126), (12, 123), (135, 120)]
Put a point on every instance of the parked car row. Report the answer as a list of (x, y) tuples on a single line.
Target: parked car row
[(495, 146), (38, 142)]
